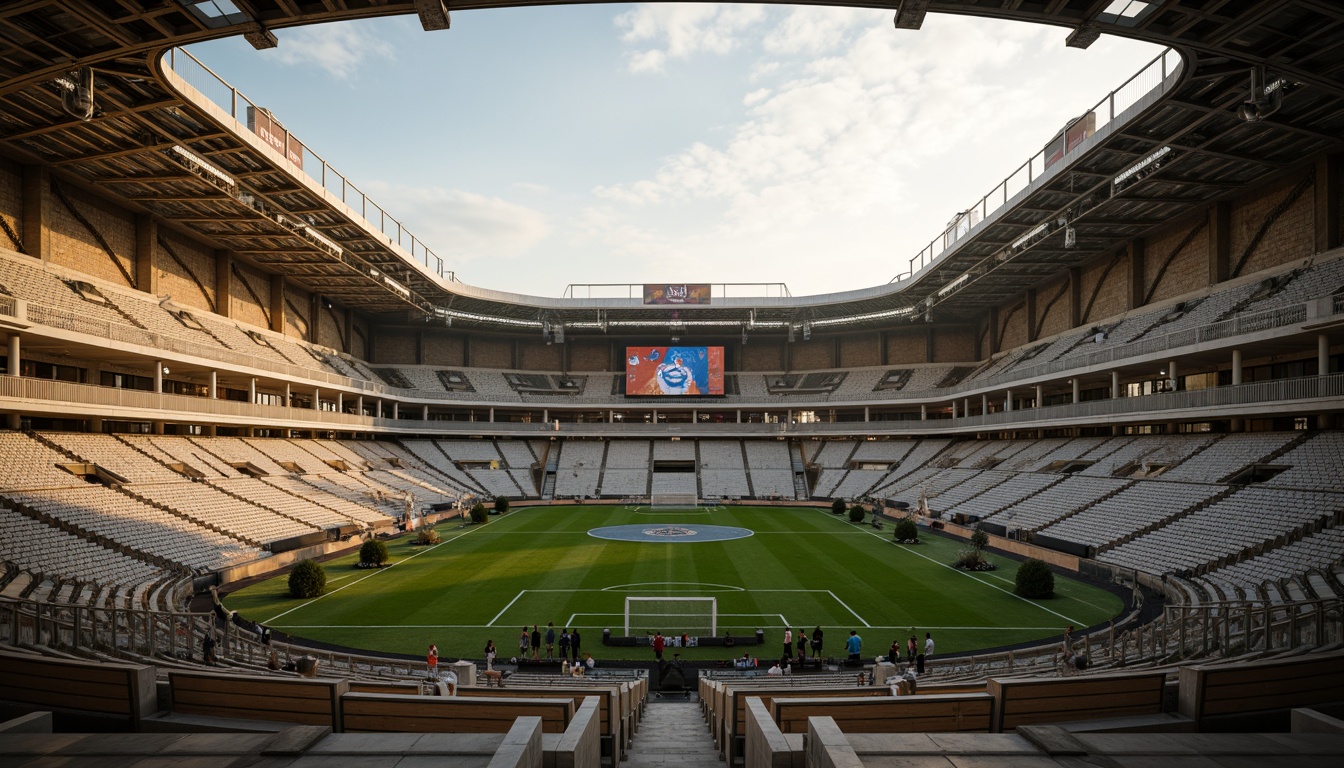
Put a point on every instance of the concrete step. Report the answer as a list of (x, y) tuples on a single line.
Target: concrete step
[(672, 733)]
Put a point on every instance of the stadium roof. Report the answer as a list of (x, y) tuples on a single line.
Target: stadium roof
[(174, 158)]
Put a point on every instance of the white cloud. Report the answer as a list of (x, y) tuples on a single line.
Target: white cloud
[(340, 49), (464, 226), (680, 30)]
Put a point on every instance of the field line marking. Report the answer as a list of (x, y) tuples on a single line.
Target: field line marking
[(505, 608), (972, 577), (426, 550), (862, 620)]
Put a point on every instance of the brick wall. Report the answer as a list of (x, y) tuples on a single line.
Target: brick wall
[(11, 202), (763, 356), (394, 346), (298, 305), (443, 348), (953, 345), (860, 351), (537, 356), (1291, 237), (331, 328), (1053, 319), (176, 282), (1111, 300), (1013, 319), (1188, 271), (359, 342), (589, 356), (73, 246), (491, 353), (242, 306), (811, 355), (907, 346)]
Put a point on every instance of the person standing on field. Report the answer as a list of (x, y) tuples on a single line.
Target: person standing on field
[(564, 644), (816, 643), (658, 645), (788, 642), (802, 644), (536, 643), (574, 639), (550, 641), (854, 645), (432, 661), (928, 645), (523, 641)]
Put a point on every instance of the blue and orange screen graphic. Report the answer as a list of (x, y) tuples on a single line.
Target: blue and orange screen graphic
[(674, 371)]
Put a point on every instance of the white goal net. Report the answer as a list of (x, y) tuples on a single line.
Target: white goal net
[(672, 616), (673, 501)]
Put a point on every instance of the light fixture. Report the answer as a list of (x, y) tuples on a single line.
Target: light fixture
[(165, 370), (1265, 98)]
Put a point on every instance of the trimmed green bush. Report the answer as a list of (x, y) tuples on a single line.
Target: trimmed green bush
[(857, 513), (1035, 580), (373, 552), (837, 506), (501, 504), (980, 539), (479, 514), (906, 530), (308, 579)]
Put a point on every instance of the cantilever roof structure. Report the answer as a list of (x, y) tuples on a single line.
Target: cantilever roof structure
[(182, 159)]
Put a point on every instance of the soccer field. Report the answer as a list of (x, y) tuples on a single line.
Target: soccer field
[(794, 567)]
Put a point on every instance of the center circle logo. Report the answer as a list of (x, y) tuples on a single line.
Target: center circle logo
[(668, 534)]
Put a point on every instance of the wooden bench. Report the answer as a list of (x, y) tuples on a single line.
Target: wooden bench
[(939, 713), (307, 701), (123, 692), (1259, 694), (399, 713), (1028, 701)]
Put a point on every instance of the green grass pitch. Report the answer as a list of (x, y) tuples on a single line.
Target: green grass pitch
[(537, 565)]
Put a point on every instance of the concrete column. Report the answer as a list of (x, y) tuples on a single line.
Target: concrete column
[(317, 398), (492, 415), (1115, 384), (965, 406), (95, 424), (1171, 374), (214, 385), (695, 416), (157, 426), (424, 413), (14, 355), (359, 405), (379, 410), (158, 376), (1008, 401), (954, 409), (984, 405), (396, 410), (545, 415), (252, 390), (611, 417), (1236, 367), (1077, 391), (288, 394), (923, 413), (1040, 396), (1322, 355), (655, 415), (739, 417), (865, 414), (340, 402)]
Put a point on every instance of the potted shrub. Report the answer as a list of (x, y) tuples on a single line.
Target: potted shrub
[(1035, 580), (906, 531), (373, 554), (479, 514), (308, 579), (838, 506), (501, 505)]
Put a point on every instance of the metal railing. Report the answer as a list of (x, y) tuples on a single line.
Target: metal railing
[(636, 290), (228, 98), (1154, 79)]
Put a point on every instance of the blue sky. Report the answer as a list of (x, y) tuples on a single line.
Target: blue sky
[(536, 147)]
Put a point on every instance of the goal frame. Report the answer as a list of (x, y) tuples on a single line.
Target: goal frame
[(713, 609), (673, 501)]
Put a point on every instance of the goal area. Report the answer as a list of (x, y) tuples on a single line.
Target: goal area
[(697, 616)]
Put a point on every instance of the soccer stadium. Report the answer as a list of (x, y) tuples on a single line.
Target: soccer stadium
[(1064, 486)]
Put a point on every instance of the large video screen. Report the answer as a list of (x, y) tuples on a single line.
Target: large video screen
[(673, 371)]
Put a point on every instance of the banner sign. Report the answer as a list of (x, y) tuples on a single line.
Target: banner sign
[(264, 124)]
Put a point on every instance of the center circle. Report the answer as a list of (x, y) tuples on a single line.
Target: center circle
[(670, 533)]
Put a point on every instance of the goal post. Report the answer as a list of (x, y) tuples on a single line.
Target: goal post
[(698, 616), (673, 501)]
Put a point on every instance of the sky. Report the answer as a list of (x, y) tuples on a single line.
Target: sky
[(534, 148)]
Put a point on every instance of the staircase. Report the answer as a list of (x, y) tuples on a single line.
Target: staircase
[(800, 492), (672, 733)]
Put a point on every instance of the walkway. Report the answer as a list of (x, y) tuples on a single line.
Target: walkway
[(673, 733)]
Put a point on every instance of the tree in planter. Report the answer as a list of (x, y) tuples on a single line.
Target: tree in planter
[(479, 514), (308, 579), (857, 513), (501, 505), (906, 530), (837, 506), (373, 553), (1035, 580)]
